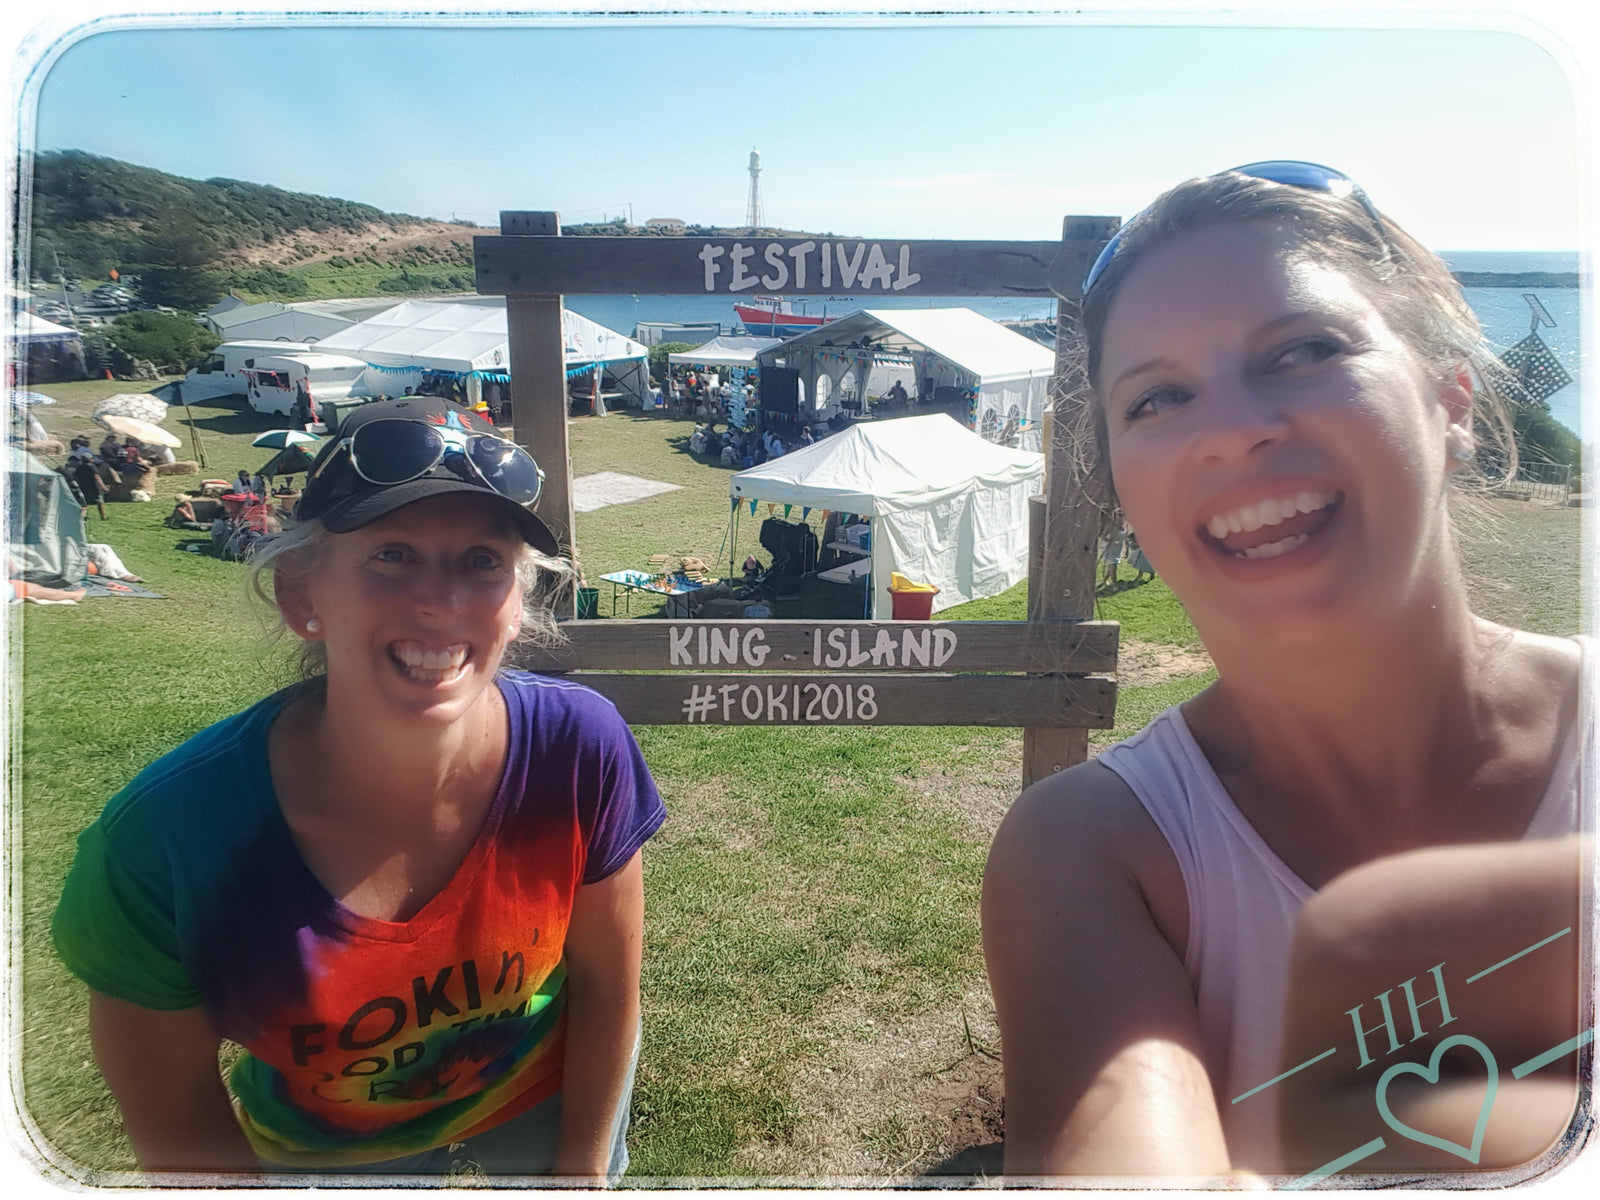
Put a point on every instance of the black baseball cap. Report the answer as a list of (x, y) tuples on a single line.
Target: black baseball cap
[(343, 500)]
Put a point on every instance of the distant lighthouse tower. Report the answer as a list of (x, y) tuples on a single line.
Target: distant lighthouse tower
[(752, 217)]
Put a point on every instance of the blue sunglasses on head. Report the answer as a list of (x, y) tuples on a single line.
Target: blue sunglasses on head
[(1313, 177), (394, 450)]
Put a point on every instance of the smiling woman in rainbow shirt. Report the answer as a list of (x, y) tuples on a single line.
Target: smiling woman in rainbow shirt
[(408, 886)]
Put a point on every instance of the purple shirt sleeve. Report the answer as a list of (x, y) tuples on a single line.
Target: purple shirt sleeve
[(629, 810), (577, 738)]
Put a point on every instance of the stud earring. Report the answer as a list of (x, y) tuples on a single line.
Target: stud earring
[(313, 625), (1461, 446)]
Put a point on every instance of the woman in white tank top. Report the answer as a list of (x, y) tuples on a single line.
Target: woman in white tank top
[(1323, 919)]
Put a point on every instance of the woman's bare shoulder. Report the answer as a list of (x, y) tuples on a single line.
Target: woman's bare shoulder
[(1532, 679), (1088, 803), (1084, 830), (1536, 655)]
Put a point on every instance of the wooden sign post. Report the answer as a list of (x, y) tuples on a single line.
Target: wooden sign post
[(1049, 675), (1061, 575)]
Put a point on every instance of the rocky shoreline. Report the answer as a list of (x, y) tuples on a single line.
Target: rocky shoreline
[(1517, 279)]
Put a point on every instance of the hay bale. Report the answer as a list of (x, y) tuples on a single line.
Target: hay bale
[(182, 467), (134, 479)]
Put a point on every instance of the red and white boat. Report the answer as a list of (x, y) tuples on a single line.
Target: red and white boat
[(768, 316)]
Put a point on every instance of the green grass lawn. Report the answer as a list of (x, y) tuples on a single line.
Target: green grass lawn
[(813, 989)]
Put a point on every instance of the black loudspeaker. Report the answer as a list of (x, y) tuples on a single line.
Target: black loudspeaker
[(780, 390), (793, 546)]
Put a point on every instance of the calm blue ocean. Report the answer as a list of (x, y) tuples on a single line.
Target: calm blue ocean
[(1504, 314)]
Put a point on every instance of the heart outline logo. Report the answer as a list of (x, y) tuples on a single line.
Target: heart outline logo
[(1431, 1074)]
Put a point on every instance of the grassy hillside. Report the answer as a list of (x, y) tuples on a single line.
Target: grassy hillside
[(190, 241)]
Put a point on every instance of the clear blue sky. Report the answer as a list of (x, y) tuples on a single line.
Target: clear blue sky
[(947, 128)]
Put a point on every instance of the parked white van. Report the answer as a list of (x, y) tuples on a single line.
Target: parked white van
[(274, 382), (223, 374)]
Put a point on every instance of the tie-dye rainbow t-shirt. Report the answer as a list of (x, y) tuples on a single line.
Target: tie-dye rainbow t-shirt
[(366, 1039)]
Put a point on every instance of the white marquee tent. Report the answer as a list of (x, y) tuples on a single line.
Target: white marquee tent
[(952, 347), (947, 507), (465, 339), (725, 351), (32, 329), (51, 351)]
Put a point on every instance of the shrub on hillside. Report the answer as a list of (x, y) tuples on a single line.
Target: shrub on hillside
[(271, 282)]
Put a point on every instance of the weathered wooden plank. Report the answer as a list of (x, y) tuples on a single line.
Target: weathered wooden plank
[(509, 265), (1038, 701), (1078, 648)]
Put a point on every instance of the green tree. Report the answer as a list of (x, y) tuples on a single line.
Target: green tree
[(188, 288), (1541, 438), (658, 356), (173, 343)]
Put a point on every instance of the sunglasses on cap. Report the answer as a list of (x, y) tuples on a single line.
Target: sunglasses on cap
[(1311, 177), (395, 450)]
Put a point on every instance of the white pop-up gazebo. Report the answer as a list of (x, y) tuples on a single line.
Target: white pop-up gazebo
[(418, 337), (946, 507), (1004, 376)]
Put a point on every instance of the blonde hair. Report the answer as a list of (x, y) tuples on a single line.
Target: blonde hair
[(1410, 286), (298, 550)]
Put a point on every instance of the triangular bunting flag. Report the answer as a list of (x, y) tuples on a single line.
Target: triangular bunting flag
[(770, 507), (752, 508), (786, 509), (805, 513), (736, 502)]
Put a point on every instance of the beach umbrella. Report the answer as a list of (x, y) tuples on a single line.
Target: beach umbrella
[(28, 399), (291, 460), (139, 431), (142, 406), (282, 439)]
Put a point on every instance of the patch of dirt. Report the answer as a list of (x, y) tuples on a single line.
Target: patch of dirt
[(437, 239), (976, 791), (1152, 662), (895, 1097)]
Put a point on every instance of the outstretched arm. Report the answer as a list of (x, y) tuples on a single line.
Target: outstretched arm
[(603, 951), (1103, 1068), (162, 1069)]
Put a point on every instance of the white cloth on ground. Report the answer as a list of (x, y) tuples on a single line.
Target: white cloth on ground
[(107, 563)]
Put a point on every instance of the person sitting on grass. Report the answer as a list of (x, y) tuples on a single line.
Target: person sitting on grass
[(183, 515), (1379, 793), (428, 946)]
